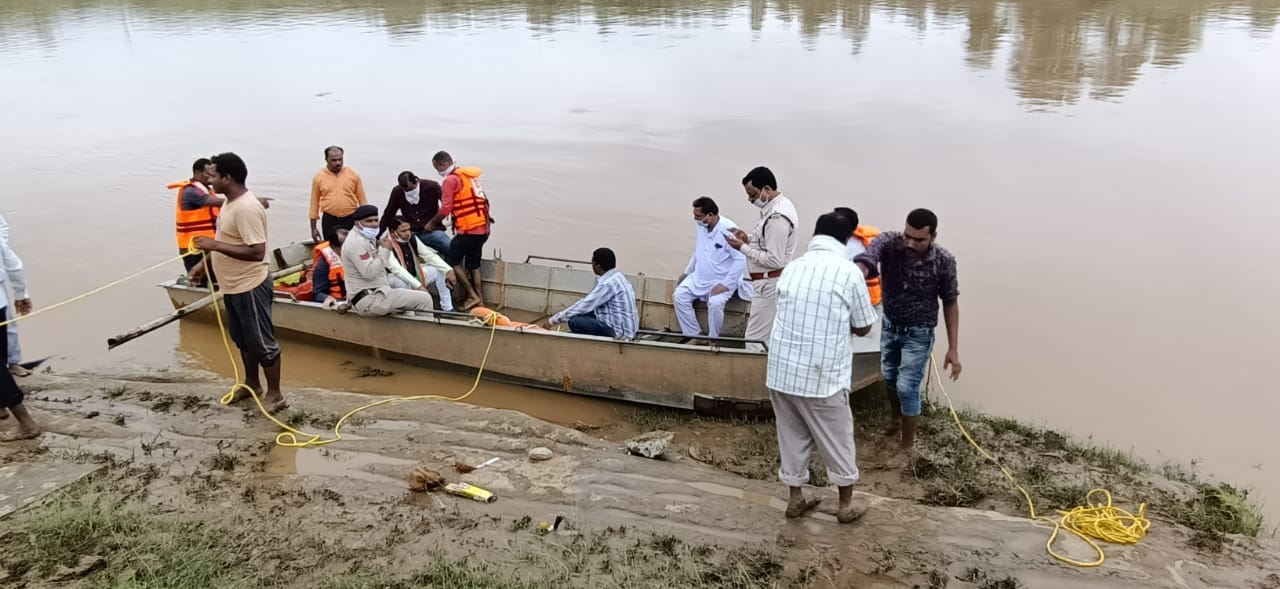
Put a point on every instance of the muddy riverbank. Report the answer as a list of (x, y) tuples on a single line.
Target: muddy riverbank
[(187, 493)]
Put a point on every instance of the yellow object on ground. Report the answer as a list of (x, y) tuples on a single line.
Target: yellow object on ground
[(1097, 520)]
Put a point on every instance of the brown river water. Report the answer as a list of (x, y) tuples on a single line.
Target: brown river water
[(1105, 172)]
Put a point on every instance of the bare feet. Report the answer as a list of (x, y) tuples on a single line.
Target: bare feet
[(18, 371), (800, 506), (902, 458), (242, 393), (471, 303), (893, 429), (852, 512), (274, 402), (24, 434)]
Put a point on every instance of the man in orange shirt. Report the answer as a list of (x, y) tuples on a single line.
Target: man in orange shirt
[(336, 191), (463, 198)]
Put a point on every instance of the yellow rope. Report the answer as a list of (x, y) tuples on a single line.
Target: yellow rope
[(1097, 519), (294, 438), (17, 318)]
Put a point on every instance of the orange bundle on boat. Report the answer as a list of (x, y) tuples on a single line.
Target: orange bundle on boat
[(491, 317)]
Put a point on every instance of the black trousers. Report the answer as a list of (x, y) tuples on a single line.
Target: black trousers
[(10, 394), (330, 223)]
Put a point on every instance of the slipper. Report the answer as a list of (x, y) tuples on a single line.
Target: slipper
[(805, 507)]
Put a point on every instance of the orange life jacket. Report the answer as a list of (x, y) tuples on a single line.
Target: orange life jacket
[(192, 224), (337, 278), (866, 233), (470, 205)]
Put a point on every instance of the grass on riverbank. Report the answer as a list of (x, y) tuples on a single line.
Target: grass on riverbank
[(1057, 470), (92, 536)]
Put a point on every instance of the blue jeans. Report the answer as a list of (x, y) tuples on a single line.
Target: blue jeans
[(904, 359), (589, 325), (435, 239)]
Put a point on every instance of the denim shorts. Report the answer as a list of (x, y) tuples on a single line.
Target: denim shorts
[(904, 359)]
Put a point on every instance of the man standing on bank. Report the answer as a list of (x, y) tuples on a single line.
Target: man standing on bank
[(462, 196), (336, 191), (771, 244), (13, 277), (916, 273), (239, 255), (822, 300)]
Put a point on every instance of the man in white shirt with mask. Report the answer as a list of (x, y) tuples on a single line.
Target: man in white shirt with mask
[(714, 273), (768, 248)]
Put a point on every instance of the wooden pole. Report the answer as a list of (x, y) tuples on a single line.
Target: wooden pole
[(150, 326)]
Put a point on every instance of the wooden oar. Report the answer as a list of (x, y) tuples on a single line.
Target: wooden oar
[(150, 326)]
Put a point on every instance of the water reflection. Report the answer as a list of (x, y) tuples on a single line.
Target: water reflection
[(1058, 51)]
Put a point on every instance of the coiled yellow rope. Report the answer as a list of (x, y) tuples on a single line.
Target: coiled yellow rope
[(1097, 520), (294, 438)]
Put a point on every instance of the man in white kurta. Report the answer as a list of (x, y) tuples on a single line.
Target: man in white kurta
[(11, 277), (822, 304), (768, 248), (715, 271)]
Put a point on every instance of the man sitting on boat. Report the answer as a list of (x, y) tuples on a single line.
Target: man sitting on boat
[(365, 265), (327, 278), (414, 264), (714, 273), (609, 310)]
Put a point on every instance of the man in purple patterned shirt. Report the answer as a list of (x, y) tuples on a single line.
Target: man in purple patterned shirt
[(914, 274)]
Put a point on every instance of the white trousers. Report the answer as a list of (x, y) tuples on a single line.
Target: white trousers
[(806, 423), (764, 307), (435, 277), (683, 299)]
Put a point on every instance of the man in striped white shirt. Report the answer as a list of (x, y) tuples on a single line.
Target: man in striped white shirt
[(822, 303), (609, 310)]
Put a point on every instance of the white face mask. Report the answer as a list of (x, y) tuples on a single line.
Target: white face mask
[(760, 202), (701, 222), (412, 195), (446, 171), (369, 232)]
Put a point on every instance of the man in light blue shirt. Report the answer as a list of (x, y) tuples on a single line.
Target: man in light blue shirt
[(609, 310)]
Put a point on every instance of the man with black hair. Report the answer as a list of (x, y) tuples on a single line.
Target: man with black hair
[(239, 255), (715, 271), (916, 273), (822, 303), (366, 258), (463, 198), (417, 200), (609, 310), (197, 214), (771, 244), (858, 242), (336, 191)]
